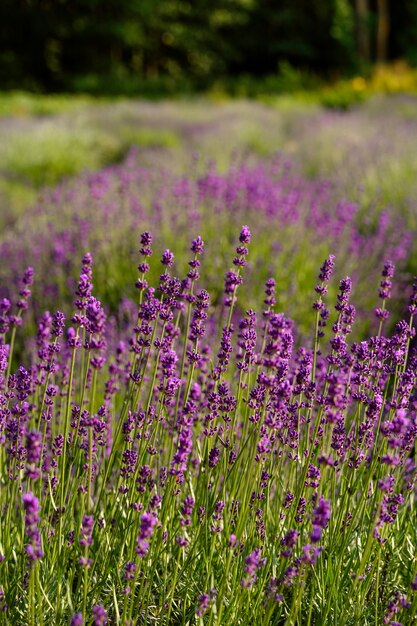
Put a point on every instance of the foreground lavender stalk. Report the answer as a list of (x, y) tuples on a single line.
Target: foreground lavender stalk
[(169, 474)]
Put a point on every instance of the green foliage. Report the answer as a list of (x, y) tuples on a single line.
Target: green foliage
[(52, 152), (24, 103), (341, 96), (150, 48)]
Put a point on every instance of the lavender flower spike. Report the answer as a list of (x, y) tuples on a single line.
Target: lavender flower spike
[(32, 508)]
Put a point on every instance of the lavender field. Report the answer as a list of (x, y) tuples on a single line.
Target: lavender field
[(208, 405)]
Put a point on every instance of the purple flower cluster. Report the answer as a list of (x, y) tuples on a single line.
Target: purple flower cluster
[(320, 519), (31, 507), (253, 562), (99, 615), (270, 194), (148, 521)]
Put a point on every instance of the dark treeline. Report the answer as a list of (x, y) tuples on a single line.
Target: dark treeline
[(97, 44)]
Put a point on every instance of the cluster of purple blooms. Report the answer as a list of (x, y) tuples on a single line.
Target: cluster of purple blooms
[(31, 507), (205, 445), (271, 195)]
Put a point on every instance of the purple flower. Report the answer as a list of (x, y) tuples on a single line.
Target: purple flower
[(197, 245), (203, 604), (197, 328), (85, 286), (214, 456), (326, 269), (31, 508), (188, 506), (225, 352), (58, 324), (95, 316), (231, 282), (87, 531), (345, 289), (321, 513), (28, 276), (33, 453), (77, 619), (34, 446), (386, 284), (147, 527), (290, 539), (311, 554), (167, 258), (99, 615), (313, 473), (252, 563), (146, 242), (182, 542), (130, 570), (320, 519), (245, 235)]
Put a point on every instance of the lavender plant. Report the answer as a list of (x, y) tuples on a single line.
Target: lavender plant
[(198, 470), (298, 222)]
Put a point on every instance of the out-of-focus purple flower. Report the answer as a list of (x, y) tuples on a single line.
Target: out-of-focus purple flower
[(320, 519), (87, 525), (130, 570), (203, 604), (147, 527), (291, 538), (311, 554), (186, 510), (44, 330), (31, 508), (34, 446), (99, 615), (33, 453), (182, 542), (252, 563), (77, 619), (321, 513)]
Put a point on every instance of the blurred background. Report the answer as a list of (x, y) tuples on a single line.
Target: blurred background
[(156, 47)]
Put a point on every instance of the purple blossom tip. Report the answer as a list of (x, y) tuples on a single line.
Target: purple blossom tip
[(167, 258), (245, 235), (197, 245), (326, 269)]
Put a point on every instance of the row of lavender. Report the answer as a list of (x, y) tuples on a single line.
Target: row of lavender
[(296, 222), (174, 474)]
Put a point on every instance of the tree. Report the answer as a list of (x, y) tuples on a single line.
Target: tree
[(363, 34), (382, 31)]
